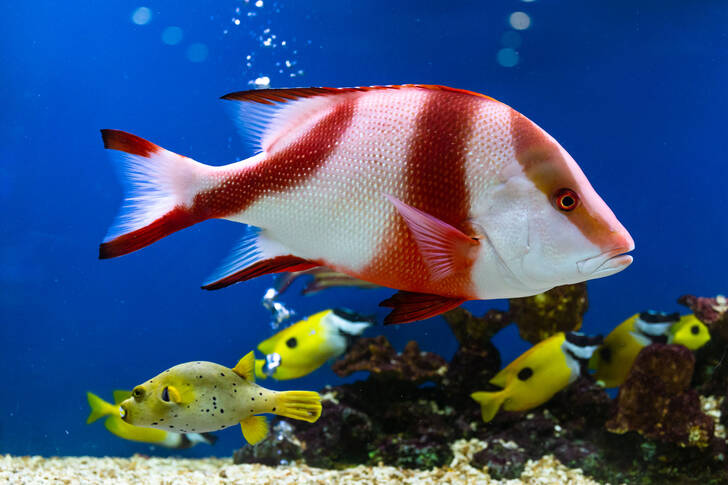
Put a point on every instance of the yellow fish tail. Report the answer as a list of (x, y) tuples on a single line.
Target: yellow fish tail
[(490, 403), (99, 408), (303, 405)]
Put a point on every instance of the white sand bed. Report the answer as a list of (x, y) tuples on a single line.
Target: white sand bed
[(182, 471)]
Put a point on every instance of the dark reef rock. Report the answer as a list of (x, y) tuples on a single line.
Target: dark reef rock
[(656, 401), (713, 312), (504, 462), (558, 310), (414, 405), (279, 448), (377, 356)]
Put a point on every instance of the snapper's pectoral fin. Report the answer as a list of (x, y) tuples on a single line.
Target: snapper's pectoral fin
[(245, 367), (256, 255), (411, 307), (445, 249), (255, 429)]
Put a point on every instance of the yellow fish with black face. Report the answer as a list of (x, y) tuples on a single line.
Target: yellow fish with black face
[(307, 345), (114, 423), (203, 396), (613, 360), (538, 374)]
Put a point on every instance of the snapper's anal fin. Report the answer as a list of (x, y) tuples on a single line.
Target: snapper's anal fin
[(256, 255), (159, 188), (410, 307)]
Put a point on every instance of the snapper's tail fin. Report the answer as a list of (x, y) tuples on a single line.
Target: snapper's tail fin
[(490, 403), (160, 188), (302, 405), (99, 408)]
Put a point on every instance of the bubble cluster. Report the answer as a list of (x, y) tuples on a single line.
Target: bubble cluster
[(511, 40)]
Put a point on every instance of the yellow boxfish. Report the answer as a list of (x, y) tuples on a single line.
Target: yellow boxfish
[(444, 194), (117, 426), (538, 374), (613, 360), (305, 346), (204, 396)]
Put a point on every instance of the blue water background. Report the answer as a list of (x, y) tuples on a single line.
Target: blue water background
[(635, 91)]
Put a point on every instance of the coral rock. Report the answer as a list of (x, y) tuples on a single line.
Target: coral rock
[(377, 356), (560, 309), (504, 460), (656, 401), (472, 331)]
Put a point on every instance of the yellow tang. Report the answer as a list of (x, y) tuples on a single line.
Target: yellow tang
[(614, 359), (538, 374), (114, 423), (204, 396), (305, 346)]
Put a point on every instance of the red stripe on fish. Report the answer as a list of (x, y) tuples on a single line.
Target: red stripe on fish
[(533, 147), (287, 168), (435, 184), (278, 264), (126, 142), (174, 220)]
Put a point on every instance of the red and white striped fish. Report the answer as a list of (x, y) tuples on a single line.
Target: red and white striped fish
[(444, 194)]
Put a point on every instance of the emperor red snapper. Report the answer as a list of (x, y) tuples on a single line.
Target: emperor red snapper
[(444, 194)]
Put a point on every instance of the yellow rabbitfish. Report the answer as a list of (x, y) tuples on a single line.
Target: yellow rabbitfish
[(204, 396), (117, 426), (538, 374), (307, 345), (613, 360)]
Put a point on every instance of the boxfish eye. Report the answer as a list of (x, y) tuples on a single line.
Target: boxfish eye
[(138, 393), (165, 394), (694, 330), (566, 200)]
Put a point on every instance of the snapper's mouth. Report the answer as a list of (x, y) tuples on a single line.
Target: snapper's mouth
[(607, 263)]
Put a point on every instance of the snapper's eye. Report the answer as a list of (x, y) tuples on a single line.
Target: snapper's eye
[(566, 200), (165, 394)]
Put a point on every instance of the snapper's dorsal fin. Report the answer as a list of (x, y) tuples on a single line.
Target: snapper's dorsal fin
[(245, 367), (120, 395), (264, 116)]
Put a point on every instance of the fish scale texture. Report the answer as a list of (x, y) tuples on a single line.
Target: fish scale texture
[(322, 190)]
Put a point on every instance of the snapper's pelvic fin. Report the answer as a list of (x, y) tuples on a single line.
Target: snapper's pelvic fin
[(160, 187), (490, 403), (256, 255), (411, 307)]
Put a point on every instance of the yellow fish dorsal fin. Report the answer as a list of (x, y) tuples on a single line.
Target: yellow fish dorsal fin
[(245, 367), (255, 429), (120, 395)]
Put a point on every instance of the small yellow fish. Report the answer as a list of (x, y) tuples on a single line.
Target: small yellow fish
[(204, 396), (114, 423), (307, 345), (614, 359), (538, 374)]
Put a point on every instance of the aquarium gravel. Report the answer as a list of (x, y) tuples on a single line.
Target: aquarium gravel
[(179, 471)]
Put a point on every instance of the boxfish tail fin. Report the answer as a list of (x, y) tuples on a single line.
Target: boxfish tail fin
[(302, 405), (160, 188), (490, 403), (99, 408)]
